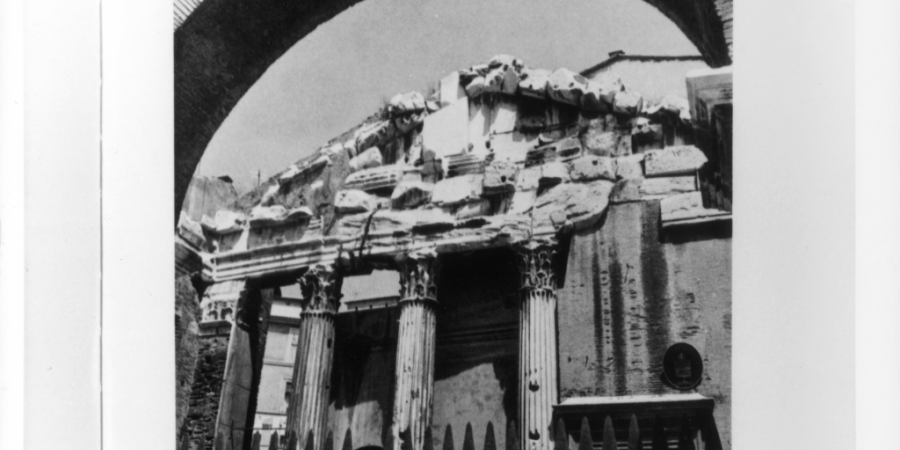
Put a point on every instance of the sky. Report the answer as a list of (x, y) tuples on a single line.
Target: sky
[(348, 67)]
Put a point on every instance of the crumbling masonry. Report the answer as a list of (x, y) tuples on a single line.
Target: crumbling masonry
[(556, 236)]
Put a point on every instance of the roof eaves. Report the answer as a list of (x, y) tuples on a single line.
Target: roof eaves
[(610, 61)]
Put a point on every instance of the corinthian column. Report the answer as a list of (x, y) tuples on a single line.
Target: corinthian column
[(414, 392), (538, 385), (308, 406)]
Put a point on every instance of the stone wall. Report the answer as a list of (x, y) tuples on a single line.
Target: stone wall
[(631, 291), (206, 389), (187, 346)]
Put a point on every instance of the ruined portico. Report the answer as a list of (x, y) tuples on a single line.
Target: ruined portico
[(501, 158)]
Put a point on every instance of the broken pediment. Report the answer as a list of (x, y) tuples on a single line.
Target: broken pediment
[(499, 152)]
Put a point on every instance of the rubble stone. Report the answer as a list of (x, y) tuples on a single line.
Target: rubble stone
[(476, 87), (506, 60), (585, 212), (464, 163), (226, 221), (333, 149), (528, 178), (451, 89), (597, 142), (476, 208), (354, 201), (673, 161), (507, 141), (590, 167), (522, 201), (191, 230), (665, 186), (566, 86), (540, 155), (429, 221), (594, 97), (411, 174), (269, 196), (367, 159), (479, 126), (558, 218), (568, 148), (432, 169), (623, 144), (502, 79), (306, 167), (628, 167), (374, 134), (628, 102), (409, 194), (531, 123), (376, 178), (409, 121), (553, 173), (627, 190), (446, 131), (274, 212), (646, 135), (456, 190), (409, 102), (265, 216), (563, 150), (610, 86), (533, 82), (476, 70), (298, 214), (672, 104), (583, 204), (499, 177), (686, 207)]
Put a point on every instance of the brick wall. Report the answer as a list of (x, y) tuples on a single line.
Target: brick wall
[(200, 421), (187, 314)]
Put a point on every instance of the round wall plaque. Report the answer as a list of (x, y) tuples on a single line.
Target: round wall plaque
[(682, 366)]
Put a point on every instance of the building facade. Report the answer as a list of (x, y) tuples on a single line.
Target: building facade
[(559, 257)]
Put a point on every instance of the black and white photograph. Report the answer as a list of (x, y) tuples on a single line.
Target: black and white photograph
[(449, 225), (456, 226)]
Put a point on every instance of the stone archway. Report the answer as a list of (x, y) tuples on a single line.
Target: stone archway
[(224, 47)]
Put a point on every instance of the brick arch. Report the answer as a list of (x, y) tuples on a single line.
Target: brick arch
[(224, 46)]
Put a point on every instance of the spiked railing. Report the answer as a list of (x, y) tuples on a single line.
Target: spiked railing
[(648, 433)]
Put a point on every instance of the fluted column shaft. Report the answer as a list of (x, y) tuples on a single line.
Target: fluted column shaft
[(414, 372), (538, 361), (308, 406)]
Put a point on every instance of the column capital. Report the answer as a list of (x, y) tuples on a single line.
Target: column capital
[(321, 288), (535, 261), (418, 275)]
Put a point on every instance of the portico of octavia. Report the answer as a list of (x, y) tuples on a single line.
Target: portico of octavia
[(562, 246), (413, 393)]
